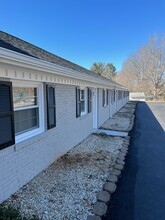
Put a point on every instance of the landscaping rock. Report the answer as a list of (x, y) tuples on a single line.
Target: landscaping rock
[(119, 166), (126, 142), (112, 178), (93, 217), (120, 162), (123, 150), (103, 196), (100, 208), (125, 145), (120, 157), (122, 154), (115, 172), (110, 187)]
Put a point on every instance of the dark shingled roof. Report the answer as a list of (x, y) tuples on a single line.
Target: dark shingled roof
[(15, 44)]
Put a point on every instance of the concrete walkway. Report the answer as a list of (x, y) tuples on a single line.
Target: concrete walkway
[(140, 193), (111, 133)]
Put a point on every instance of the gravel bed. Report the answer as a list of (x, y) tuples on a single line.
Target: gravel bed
[(67, 189), (121, 120), (117, 123), (127, 110)]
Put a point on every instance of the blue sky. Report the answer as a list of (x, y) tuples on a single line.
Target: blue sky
[(85, 31)]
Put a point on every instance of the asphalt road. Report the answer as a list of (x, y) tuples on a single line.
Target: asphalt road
[(140, 193)]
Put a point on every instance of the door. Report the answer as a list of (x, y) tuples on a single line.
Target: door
[(95, 108)]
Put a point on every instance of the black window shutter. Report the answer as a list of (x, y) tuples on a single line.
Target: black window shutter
[(7, 136), (78, 103), (107, 97), (89, 100), (103, 98), (51, 107)]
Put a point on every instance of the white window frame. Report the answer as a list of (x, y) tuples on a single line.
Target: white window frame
[(40, 96), (85, 99)]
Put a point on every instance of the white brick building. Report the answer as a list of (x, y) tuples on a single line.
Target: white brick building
[(47, 106)]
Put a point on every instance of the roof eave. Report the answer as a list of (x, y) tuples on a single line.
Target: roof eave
[(21, 60)]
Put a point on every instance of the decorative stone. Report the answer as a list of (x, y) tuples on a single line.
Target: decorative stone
[(123, 150), (122, 154), (103, 196), (100, 208), (120, 157), (126, 142), (111, 178), (115, 172), (120, 162), (125, 145), (93, 217), (118, 166), (127, 139), (110, 187)]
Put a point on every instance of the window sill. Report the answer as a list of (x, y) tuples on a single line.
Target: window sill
[(105, 106), (83, 113), (28, 135)]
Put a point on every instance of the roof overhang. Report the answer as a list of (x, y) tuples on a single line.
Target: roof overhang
[(14, 59)]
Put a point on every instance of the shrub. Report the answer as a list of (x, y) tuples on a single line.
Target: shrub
[(10, 213)]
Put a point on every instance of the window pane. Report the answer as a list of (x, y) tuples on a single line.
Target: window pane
[(24, 97), (26, 120), (82, 95), (82, 106)]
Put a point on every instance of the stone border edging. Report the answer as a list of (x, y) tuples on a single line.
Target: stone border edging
[(103, 197)]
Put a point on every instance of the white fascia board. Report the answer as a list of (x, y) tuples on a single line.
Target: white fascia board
[(21, 60)]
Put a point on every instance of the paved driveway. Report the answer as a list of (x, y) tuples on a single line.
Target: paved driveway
[(141, 189), (158, 108)]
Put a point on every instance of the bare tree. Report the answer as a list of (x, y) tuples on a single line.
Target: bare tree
[(146, 68)]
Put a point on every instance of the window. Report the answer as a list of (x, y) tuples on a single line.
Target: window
[(51, 110), (83, 101), (7, 137), (28, 109), (103, 97)]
